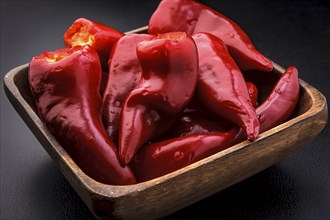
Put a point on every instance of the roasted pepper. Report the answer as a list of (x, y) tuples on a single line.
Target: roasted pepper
[(169, 75), (124, 74), (65, 86), (221, 86), (193, 17), (99, 36)]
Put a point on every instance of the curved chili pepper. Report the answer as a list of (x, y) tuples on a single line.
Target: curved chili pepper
[(281, 102), (161, 158), (193, 17), (169, 76), (221, 86), (99, 36), (124, 73), (253, 93), (65, 85)]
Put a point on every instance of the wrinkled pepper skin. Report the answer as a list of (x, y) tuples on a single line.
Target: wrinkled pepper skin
[(253, 93), (169, 76), (193, 17), (160, 158), (281, 102), (65, 85), (99, 36), (221, 86), (124, 73)]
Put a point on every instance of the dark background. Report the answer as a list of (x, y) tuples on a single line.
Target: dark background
[(290, 32)]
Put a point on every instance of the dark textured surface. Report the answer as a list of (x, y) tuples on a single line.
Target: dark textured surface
[(295, 32)]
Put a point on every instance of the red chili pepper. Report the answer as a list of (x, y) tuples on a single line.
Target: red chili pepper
[(169, 76), (221, 86), (253, 93), (65, 85), (99, 36), (124, 73), (157, 159), (193, 17), (281, 102)]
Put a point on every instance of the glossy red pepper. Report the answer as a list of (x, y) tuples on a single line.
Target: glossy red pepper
[(124, 73), (221, 86), (65, 85), (157, 159), (169, 76), (253, 93), (193, 17), (281, 102), (99, 36)]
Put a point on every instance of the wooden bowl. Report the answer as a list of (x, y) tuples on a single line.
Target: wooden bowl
[(164, 195)]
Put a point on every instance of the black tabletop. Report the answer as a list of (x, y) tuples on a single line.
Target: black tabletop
[(295, 32)]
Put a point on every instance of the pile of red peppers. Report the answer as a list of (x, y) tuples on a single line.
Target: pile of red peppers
[(132, 107)]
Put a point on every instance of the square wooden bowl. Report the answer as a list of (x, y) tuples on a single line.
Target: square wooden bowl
[(164, 195)]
